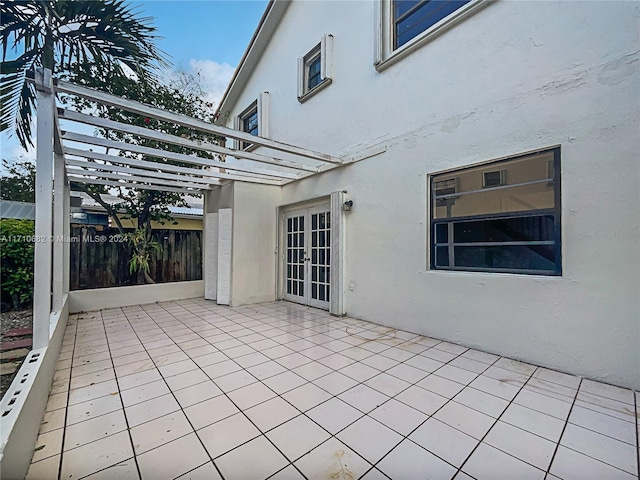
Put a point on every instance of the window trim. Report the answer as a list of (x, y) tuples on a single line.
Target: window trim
[(386, 55), (325, 49), (261, 106), (556, 211)]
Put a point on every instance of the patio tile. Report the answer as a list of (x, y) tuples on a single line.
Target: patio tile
[(109, 387), (479, 356), (489, 463), (131, 358), (398, 416), (495, 387), (52, 420), (407, 373), (521, 444), (614, 408), (170, 358), (250, 395), (197, 393), (456, 374), (604, 424), (94, 429), (423, 363), (186, 379), (380, 362), (444, 441), (335, 383), (306, 396), (172, 459), (144, 392), (334, 415), (221, 368), (224, 435), (332, 459), (542, 403), (606, 449), (482, 401), (46, 469), (48, 444), (465, 419), (93, 408), (288, 473), (469, 364), (271, 413), (397, 354), (571, 465), (91, 367), (284, 382), (266, 370), (364, 398), (265, 461), (126, 470), (96, 456), (137, 379), (423, 400), (441, 386), (408, 460), (210, 359), (233, 381), (387, 384), (439, 355), (251, 359), (210, 411), (159, 431), (543, 425), (311, 371), (609, 391), (205, 472), (516, 366), (557, 377), (145, 411), (293, 360), (370, 438), (297, 437), (550, 389)]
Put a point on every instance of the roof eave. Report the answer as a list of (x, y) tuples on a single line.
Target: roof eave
[(268, 23)]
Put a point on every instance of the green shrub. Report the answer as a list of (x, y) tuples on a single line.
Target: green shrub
[(16, 260)]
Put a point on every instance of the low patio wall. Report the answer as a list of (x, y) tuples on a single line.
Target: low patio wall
[(24, 404), (96, 299)]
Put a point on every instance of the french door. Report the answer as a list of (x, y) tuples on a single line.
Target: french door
[(307, 243)]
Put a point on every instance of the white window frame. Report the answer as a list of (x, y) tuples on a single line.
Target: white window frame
[(325, 50), (261, 106), (385, 55)]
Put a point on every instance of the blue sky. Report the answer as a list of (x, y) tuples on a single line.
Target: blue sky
[(205, 36)]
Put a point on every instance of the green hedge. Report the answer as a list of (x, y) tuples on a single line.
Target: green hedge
[(16, 261)]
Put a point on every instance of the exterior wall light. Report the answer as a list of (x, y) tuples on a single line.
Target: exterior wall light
[(346, 206)]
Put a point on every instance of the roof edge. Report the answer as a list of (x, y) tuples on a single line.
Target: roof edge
[(266, 27)]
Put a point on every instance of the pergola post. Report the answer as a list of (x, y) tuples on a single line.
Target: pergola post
[(66, 267), (44, 203), (58, 230)]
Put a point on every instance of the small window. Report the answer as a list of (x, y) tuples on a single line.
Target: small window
[(494, 178), (500, 217), (314, 69), (249, 123)]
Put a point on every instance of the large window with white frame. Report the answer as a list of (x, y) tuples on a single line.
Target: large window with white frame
[(314, 69), (404, 25), (499, 217), (249, 123)]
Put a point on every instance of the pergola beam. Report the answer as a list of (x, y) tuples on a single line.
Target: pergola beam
[(154, 152), (135, 178), (142, 109), (185, 142), (138, 186)]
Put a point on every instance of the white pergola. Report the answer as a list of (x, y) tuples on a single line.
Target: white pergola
[(65, 156)]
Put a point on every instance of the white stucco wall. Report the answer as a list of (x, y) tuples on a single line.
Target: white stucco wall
[(515, 77)]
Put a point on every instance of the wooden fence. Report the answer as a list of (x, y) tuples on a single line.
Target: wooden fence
[(100, 258)]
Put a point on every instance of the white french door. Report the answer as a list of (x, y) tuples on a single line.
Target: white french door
[(307, 242)]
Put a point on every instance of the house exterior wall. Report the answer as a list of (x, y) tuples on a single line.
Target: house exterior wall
[(515, 77)]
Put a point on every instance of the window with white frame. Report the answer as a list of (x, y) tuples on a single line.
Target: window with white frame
[(253, 120), (499, 217), (314, 69), (404, 25)]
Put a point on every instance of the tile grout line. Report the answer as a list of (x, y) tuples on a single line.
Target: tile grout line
[(406, 437), (494, 424), (566, 422), (177, 401), (66, 407)]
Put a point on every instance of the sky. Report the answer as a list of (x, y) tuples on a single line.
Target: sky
[(200, 36)]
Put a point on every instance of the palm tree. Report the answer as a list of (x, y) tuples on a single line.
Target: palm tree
[(64, 34)]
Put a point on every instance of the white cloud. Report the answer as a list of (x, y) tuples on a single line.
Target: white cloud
[(215, 77)]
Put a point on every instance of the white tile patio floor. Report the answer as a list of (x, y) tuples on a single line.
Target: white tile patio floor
[(194, 390)]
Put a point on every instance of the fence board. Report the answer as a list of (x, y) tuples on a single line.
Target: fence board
[(99, 260)]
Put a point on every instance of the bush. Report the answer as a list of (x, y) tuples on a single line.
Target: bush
[(16, 261)]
